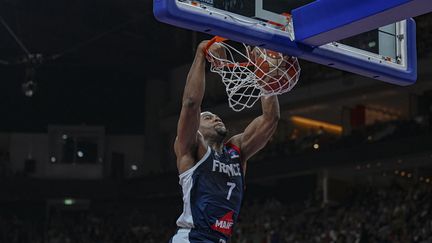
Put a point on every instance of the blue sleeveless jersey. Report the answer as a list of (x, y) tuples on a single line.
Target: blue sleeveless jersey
[(212, 196)]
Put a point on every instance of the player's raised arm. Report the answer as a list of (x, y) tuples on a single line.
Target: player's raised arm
[(259, 131), (188, 124)]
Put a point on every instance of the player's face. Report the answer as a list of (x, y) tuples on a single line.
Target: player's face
[(211, 123)]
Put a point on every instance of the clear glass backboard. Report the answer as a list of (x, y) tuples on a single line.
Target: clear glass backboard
[(351, 35)]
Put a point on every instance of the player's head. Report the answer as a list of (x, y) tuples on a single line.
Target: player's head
[(212, 127)]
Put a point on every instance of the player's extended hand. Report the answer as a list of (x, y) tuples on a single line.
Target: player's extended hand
[(202, 46), (214, 51), (217, 51)]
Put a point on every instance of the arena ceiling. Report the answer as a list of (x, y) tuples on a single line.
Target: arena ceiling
[(90, 60)]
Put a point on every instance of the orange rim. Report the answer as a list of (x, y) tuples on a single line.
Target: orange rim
[(212, 41), (221, 39)]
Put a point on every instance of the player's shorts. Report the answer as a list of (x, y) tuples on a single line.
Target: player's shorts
[(195, 236)]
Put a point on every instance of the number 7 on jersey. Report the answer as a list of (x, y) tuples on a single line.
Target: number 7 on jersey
[(231, 185)]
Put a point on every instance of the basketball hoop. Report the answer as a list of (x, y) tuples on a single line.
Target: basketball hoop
[(250, 73)]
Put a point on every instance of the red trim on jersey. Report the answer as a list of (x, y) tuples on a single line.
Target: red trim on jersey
[(241, 162), (234, 147)]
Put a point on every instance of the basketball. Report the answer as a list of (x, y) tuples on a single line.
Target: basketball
[(276, 73)]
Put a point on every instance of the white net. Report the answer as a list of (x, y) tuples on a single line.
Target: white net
[(249, 73)]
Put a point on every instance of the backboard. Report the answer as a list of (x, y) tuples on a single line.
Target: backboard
[(328, 32)]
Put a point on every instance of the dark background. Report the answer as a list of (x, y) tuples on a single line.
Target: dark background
[(97, 57)]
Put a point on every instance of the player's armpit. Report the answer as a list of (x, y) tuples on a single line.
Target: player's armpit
[(260, 130)]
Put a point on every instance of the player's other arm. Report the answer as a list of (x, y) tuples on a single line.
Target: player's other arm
[(259, 131), (187, 141)]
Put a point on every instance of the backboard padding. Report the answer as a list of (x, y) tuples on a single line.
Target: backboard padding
[(397, 68)]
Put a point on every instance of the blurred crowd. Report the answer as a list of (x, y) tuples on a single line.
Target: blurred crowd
[(85, 226), (395, 214), (371, 214), (319, 140), (127, 227)]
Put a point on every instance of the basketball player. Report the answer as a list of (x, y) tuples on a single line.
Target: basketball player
[(212, 169)]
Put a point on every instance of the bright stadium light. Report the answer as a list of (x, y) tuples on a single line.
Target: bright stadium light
[(68, 201)]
